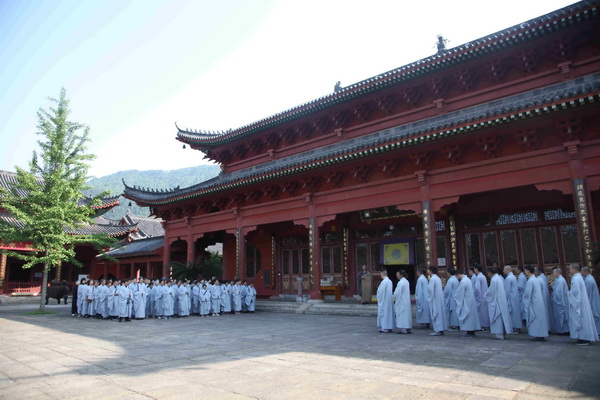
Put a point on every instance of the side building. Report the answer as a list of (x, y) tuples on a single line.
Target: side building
[(485, 153)]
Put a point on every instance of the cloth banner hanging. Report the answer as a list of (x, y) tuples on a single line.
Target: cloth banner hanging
[(396, 252)]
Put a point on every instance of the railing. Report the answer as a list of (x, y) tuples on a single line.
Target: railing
[(23, 287)]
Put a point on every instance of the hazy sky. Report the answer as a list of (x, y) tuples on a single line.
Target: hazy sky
[(134, 68)]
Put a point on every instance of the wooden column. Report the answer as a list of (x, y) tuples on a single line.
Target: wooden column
[(191, 245), (315, 255), (3, 263), (147, 275), (166, 258)]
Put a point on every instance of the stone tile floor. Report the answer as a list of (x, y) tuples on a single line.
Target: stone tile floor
[(276, 356)]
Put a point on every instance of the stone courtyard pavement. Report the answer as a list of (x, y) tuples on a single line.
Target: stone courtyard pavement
[(276, 356)]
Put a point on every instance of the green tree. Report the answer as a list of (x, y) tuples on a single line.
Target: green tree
[(47, 199), (202, 268)]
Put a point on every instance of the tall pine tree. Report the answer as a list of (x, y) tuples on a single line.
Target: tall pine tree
[(47, 200)]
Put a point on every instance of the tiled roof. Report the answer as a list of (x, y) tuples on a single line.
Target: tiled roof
[(8, 179), (87, 229), (137, 248), (147, 226), (573, 93), (520, 33)]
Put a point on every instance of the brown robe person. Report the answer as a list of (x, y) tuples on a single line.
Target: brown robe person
[(366, 285)]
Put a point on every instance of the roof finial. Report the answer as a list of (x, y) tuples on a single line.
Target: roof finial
[(441, 44), (337, 88)]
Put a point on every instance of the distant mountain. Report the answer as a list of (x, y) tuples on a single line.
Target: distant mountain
[(154, 179)]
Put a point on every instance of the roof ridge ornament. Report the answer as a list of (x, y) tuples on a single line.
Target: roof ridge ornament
[(441, 44)]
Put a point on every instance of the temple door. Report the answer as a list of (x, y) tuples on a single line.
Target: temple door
[(295, 263)]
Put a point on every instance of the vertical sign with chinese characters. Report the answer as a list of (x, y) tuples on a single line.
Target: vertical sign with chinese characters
[(238, 245), (453, 246), (273, 283), (427, 234), (345, 257), (311, 249), (583, 218), (3, 259)]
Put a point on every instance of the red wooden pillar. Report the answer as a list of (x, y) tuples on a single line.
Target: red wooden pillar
[(166, 258), (315, 255), (3, 263), (428, 220), (191, 247)]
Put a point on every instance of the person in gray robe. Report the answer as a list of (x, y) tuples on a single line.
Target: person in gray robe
[(102, 299), (168, 299), (582, 326), (196, 298), (513, 298), (521, 283), (385, 308), (244, 291), (435, 297), (183, 296), (159, 291), (560, 303), (236, 296), (539, 273), (593, 295), (226, 297), (149, 299), (535, 310), (138, 294), (500, 319), (422, 313), (113, 301), (204, 301), (466, 306), (481, 286), (449, 302), (251, 298), (81, 297), (123, 301), (92, 294), (365, 285), (402, 306), (215, 298)]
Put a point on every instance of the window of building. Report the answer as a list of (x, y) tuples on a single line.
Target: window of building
[(473, 250), (529, 246), (509, 247), (559, 213), (570, 239), (549, 245), (490, 244), (517, 218)]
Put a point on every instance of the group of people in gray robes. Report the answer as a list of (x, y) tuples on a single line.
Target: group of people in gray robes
[(140, 298), (505, 304)]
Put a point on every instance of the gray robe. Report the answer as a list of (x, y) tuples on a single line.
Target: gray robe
[(226, 298), (449, 302), (385, 308), (581, 320), (251, 298), (535, 310), (481, 287), (139, 299), (236, 296), (422, 316), (102, 301), (500, 320), (169, 293), (560, 305), (521, 283), (402, 306), (435, 297), (513, 298), (183, 295), (123, 301), (113, 309), (204, 297), (466, 307), (592, 291), (547, 300), (215, 298)]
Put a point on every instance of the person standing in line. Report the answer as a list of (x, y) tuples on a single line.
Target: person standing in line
[(435, 297), (385, 309), (593, 295), (582, 326), (560, 303), (466, 306), (236, 296), (204, 301), (422, 315), (539, 273), (251, 298), (513, 299), (449, 302), (215, 298), (74, 298), (500, 320), (535, 310), (521, 283), (481, 286), (402, 306)]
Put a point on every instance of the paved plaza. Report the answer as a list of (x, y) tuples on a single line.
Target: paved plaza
[(276, 356)]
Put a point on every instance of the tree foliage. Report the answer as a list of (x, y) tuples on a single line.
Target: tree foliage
[(202, 268), (46, 199)]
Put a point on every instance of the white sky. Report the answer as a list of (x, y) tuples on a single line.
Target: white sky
[(134, 68)]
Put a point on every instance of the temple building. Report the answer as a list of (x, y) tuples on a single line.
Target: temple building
[(15, 279), (488, 152)]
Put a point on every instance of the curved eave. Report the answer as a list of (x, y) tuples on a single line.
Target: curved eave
[(381, 146), (520, 33)]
